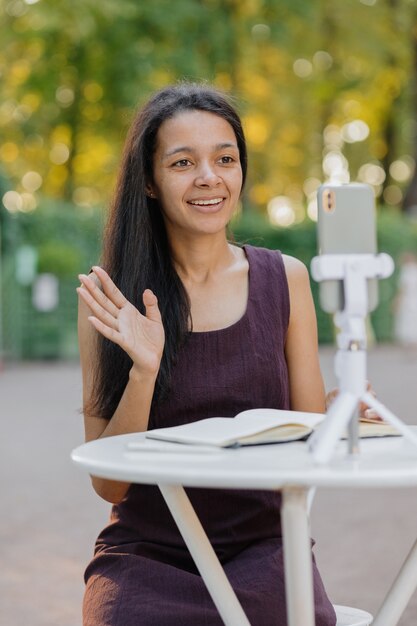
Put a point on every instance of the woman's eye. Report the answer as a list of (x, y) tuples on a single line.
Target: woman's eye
[(181, 163), (226, 159)]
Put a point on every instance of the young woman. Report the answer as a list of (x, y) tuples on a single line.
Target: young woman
[(178, 325)]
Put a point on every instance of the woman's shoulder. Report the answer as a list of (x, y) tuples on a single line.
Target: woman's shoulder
[(262, 254), (298, 278), (295, 269)]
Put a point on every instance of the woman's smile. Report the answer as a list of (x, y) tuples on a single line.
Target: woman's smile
[(208, 205)]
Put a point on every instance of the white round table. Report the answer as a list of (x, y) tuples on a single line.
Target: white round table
[(382, 462)]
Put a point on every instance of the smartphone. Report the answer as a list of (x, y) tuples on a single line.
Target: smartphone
[(346, 224)]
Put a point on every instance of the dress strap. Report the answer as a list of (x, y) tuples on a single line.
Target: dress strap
[(268, 286)]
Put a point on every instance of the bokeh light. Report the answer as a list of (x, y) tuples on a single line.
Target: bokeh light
[(312, 209), (336, 167), (29, 202), (261, 31), (311, 185), (303, 68), (12, 201), (32, 181), (59, 153), (322, 60), (65, 96), (281, 211), (354, 131), (393, 195), (402, 169), (372, 173), (332, 137)]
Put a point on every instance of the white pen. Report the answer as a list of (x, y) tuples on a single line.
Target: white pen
[(176, 448)]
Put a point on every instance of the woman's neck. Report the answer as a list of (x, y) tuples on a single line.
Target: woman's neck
[(198, 259)]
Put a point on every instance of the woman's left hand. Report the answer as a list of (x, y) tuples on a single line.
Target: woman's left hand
[(364, 411)]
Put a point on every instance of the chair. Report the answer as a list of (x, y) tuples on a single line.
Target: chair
[(346, 616)]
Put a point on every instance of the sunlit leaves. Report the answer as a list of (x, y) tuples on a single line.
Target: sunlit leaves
[(73, 73)]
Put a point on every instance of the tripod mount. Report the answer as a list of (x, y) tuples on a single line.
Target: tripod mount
[(350, 362)]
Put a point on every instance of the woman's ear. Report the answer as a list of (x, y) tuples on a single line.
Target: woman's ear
[(150, 192)]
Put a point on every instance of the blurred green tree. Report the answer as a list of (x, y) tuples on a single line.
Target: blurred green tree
[(314, 79)]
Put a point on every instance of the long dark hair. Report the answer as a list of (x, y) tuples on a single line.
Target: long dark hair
[(136, 252)]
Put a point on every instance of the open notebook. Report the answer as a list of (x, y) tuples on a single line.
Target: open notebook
[(257, 426)]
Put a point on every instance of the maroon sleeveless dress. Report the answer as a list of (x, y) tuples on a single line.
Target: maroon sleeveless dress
[(142, 573)]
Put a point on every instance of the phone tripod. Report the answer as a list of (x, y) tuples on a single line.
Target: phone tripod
[(350, 362)]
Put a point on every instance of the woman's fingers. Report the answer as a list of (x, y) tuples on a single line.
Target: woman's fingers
[(98, 311), (370, 389), (105, 330), (371, 414), (112, 292), (97, 294), (151, 305), (366, 411), (331, 396), (141, 337)]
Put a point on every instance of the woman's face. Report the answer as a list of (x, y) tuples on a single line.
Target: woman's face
[(197, 173)]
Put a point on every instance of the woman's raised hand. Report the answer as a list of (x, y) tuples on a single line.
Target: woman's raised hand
[(142, 337)]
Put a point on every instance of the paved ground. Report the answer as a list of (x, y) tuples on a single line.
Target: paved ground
[(50, 515)]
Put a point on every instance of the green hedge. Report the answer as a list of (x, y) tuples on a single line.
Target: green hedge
[(67, 239), (67, 242)]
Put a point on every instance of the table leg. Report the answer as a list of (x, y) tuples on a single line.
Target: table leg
[(400, 593), (204, 556), (297, 557)]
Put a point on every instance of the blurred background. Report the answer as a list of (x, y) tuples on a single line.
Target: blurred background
[(326, 89)]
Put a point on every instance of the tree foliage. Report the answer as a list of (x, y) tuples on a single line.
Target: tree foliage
[(304, 74)]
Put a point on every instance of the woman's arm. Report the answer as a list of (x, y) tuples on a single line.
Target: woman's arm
[(301, 347), (142, 337)]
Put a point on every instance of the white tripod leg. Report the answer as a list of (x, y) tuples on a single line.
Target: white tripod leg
[(323, 442), (204, 556), (389, 417), (400, 593)]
